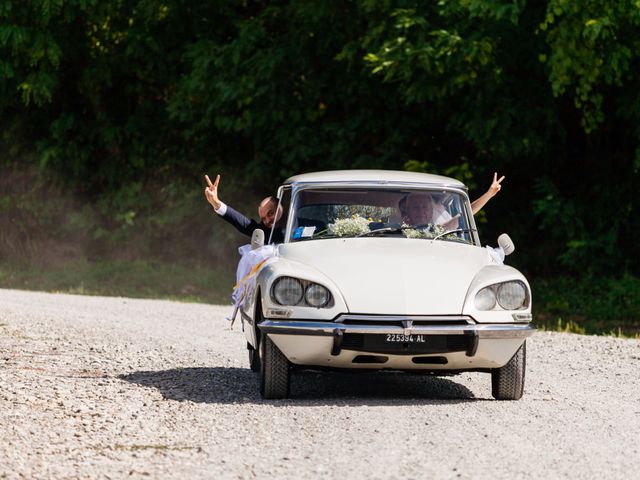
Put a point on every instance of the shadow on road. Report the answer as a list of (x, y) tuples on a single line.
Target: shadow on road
[(240, 385)]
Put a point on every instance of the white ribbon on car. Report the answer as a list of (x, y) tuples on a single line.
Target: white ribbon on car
[(251, 262), (496, 254)]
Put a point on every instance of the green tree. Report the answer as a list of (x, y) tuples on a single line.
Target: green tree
[(546, 91), (121, 95)]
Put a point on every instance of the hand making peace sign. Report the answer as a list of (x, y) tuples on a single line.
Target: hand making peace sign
[(211, 192), (495, 185)]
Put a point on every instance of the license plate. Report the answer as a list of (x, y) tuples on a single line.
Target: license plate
[(399, 338)]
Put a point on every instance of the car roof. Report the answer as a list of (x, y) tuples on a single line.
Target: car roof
[(374, 177)]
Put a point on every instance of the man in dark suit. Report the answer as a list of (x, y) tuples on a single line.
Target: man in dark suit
[(267, 210)]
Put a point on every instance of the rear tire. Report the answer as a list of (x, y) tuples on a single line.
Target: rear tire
[(274, 371), (507, 383)]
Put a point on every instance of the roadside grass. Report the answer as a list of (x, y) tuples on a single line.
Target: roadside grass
[(139, 279), (570, 326), (588, 305)]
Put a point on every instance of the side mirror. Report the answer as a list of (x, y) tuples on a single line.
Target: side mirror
[(257, 239), (506, 244)]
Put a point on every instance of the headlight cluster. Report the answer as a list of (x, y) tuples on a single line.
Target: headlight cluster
[(508, 296), (293, 291)]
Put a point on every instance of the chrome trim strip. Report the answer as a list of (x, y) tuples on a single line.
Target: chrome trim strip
[(293, 327), (403, 318), (377, 183)]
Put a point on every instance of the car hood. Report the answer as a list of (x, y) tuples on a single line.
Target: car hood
[(394, 276)]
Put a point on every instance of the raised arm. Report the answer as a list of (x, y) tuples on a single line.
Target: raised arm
[(239, 221), (211, 192), (495, 187)]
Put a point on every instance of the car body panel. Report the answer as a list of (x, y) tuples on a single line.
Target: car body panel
[(393, 275), (373, 177)]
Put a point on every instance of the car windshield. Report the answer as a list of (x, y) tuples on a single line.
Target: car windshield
[(376, 212)]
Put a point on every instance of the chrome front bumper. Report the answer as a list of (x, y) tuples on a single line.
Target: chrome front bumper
[(358, 333), (438, 343), (301, 327)]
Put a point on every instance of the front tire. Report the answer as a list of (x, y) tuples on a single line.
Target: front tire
[(507, 383), (274, 371)]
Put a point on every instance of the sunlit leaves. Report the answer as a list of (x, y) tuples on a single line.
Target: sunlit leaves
[(592, 45)]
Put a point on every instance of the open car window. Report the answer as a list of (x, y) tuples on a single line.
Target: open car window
[(279, 226), (350, 212)]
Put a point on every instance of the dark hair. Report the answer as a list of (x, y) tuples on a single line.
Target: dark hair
[(270, 201)]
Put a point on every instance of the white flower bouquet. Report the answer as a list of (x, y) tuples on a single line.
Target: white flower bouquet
[(428, 231), (345, 227)]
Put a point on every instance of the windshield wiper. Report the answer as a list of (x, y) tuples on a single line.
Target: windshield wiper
[(412, 227), (321, 234), (385, 230), (457, 230)]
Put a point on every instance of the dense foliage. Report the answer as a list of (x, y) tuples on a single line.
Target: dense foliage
[(116, 97)]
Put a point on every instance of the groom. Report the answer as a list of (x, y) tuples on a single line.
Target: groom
[(266, 210)]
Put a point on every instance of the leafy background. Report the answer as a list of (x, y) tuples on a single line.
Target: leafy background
[(111, 112)]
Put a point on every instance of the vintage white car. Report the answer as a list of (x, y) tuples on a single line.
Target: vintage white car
[(363, 282)]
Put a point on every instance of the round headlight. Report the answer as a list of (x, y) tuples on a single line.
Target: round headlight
[(288, 291), (485, 299), (512, 295), (316, 295)]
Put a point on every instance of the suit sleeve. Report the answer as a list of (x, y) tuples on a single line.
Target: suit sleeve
[(243, 224)]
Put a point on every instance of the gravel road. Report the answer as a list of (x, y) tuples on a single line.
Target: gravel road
[(94, 387)]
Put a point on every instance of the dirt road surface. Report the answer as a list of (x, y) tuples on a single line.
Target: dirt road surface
[(94, 387)]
